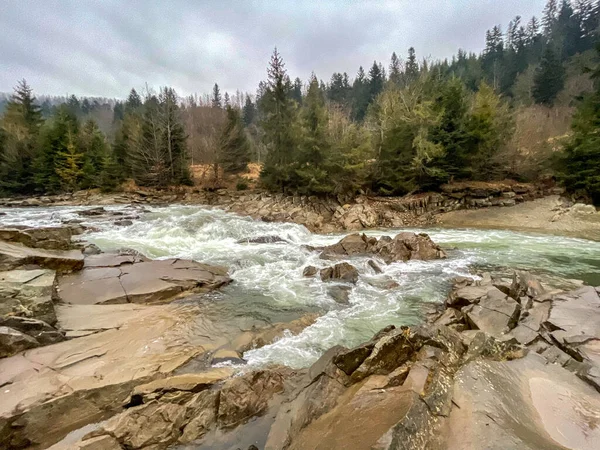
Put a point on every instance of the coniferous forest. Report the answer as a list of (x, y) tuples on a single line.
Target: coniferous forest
[(526, 108)]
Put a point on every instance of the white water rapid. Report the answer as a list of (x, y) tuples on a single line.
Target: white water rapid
[(268, 282)]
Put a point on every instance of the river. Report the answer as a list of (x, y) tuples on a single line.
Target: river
[(269, 286)]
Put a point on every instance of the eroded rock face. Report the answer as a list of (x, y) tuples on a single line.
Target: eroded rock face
[(13, 256), (110, 279), (403, 247), (49, 238)]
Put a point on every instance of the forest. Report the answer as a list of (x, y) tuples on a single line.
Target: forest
[(526, 108)]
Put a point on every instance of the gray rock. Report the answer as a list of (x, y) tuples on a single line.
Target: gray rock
[(340, 294), (309, 271), (13, 341)]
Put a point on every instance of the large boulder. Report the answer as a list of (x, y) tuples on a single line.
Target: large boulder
[(28, 293), (403, 247)]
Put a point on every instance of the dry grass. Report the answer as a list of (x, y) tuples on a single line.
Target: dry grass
[(206, 177)]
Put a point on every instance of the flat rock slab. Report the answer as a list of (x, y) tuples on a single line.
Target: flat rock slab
[(13, 256), (113, 279), (28, 293), (525, 403), (61, 387)]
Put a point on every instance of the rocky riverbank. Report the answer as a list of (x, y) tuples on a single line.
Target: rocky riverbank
[(321, 215), (508, 364)]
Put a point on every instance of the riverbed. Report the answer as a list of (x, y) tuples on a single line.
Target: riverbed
[(269, 285)]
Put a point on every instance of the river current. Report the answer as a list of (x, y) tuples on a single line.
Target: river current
[(269, 286)]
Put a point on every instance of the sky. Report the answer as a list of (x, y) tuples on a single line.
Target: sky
[(106, 47)]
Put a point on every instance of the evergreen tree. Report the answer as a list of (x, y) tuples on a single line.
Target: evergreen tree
[(234, 147), (216, 97), (580, 166), (58, 142), (395, 70), (227, 99), (173, 138), (21, 124), (360, 95), (68, 165), (312, 174), (133, 102), (278, 124), (412, 66), (297, 91), (549, 78), (92, 144), (550, 17), (376, 80), (249, 112)]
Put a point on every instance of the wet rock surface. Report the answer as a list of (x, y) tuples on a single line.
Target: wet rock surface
[(110, 279), (403, 247)]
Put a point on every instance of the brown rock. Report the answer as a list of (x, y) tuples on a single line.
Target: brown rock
[(340, 272), (310, 271), (13, 341), (13, 256)]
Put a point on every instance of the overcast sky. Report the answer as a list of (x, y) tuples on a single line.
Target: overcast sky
[(106, 47)]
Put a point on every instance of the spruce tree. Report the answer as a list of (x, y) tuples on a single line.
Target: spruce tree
[(550, 17), (68, 165), (549, 78), (21, 123), (216, 97), (234, 146), (173, 138), (297, 90), (395, 70), (93, 145), (249, 112), (376, 80), (360, 95), (278, 123), (412, 66), (580, 167), (312, 173)]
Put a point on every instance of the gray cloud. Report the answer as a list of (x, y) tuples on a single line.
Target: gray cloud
[(105, 48)]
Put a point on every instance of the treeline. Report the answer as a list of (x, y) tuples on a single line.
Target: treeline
[(64, 153), (407, 126)]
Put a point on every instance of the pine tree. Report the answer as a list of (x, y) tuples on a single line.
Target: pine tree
[(549, 78), (249, 112), (376, 80), (227, 100), (395, 70), (173, 138), (55, 138), (297, 91), (312, 173), (580, 168), (21, 124), (68, 165), (278, 124), (216, 97), (234, 147), (92, 144), (133, 102), (550, 17), (360, 95), (412, 66)]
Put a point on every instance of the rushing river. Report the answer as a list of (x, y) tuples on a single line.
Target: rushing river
[(268, 282)]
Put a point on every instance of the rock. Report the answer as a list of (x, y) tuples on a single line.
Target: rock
[(451, 317), (310, 271), (13, 341), (91, 249), (123, 223), (138, 282), (13, 256), (68, 385), (523, 403), (226, 355), (466, 295), (28, 293), (247, 396), (373, 265), (340, 294), (43, 333), (49, 238), (403, 247), (262, 240), (340, 272), (495, 313), (99, 211), (525, 284), (194, 383)]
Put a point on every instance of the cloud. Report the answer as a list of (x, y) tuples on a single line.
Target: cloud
[(104, 48)]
